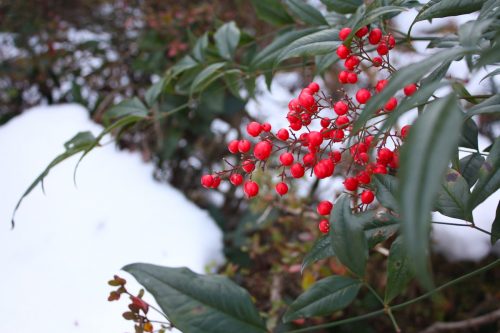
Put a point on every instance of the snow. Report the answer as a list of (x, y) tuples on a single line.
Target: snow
[(68, 243)]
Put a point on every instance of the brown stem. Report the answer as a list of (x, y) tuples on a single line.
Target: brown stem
[(466, 324)]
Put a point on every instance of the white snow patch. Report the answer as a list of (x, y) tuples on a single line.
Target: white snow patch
[(68, 243)]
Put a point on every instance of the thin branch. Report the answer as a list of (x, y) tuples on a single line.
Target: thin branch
[(464, 324)]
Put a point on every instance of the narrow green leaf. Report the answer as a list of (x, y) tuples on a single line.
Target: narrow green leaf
[(471, 33), (186, 62), (495, 227), (154, 92), (398, 271), (305, 12), (380, 229), (489, 176), (453, 197), (342, 6), (322, 249), (424, 159), (468, 138), (128, 107), (445, 8), (323, 298), (491, 74), (272, 11), (200, 48), (348, 238), (317, 43), (387, 187), (206, 76), (469, 167), (198, 303), (490, 105), (323, 62), (227, 38)]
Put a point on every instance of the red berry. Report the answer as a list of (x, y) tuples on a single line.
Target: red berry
[(369, 140), (315, 138), (262, 150), (207, 181), (363, 95), (314, 87), (391, 104), (254, 129), (342, 121), (351, 184), (236, 179), (336, 156), (324, 207), (306, 101), (382, 48), (251, 189), (377, 61), (343, 76), (340, 108), (344, 32), (233, 146), (367, 197), (309, 159), (384, 155), (375, 36), (216, 182), (324, 226), (404, 131), (248, 166), (352, 78), (379, 168), (351, 62), (392, 42), (381, 85), (337, 135), (325, 122), (362, 31), (410, 89), (266, 127), (244, 146), (296, 126), (306, 91), (286, 159), (362, 158), (343, 51), (283, 134), (363, 177), (394, 163), (294, 105), (282, 188), (297, 170), (306, 118)]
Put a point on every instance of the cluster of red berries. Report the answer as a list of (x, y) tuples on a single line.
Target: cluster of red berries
[(304, 150)]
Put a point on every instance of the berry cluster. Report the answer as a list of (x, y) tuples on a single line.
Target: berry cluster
[(305, 147)]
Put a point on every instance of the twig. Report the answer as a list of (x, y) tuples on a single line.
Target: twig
[(464, 324)]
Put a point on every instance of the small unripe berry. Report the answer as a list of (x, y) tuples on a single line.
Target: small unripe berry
[(324, 207), (282, 188), (391, 104), (254, 128), (244, 146), (351, 184), (283, 134), (362, 31), (343, 51), (404, 131), (324, 226), (286, 159), (367, 197), (233, 146), (363, 95), (207, 181), (248, 166), (375, 36), (297, 170), (381, 85), (344, 32), (340, 108), (236, 179), (410, 89), (266, 127), (382, 48), (251, 189), (314, 87), (262, 150), (352, 78)]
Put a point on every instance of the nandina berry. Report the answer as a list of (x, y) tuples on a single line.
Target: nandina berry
[(392, 42), (377, 61), (306, 91), (363, 95), (236, 179), (324, 207), (248, 166), (369, 140), (351, 62), (315, 138), (324, 226), (306, 100), (337, 135), (381, 85), (343, 51), (286, 159), (367, 197), (254, 129), (294, 105), (251, 189), (216, 182), (404, 131), (382, 48), (336, 156), (352, 78), (207, 180), (363, 177), (384, 155), (342, 121), (344, 32), (320, 170), (361, 158), (340, 108), (306, 118), (343, 76), (244, 146), (283, 134), (325, 122), (394, 163), (304, 139), (296, 126), (233, 146), (351, 184), (262, 150), (379, 168), (362, 31), (266, 127), (297, 170), (314, 87), (357, 148), (309, 159), (410, 89), (391, 104), (282, 188), (375, 36)]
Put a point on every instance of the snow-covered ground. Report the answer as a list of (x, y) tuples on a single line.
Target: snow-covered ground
[(68, 243)]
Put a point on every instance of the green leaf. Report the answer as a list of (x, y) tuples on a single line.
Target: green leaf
[(197, 303), (468, 139), (494, 73), (403, 77), (227, 38), (200, 47), (128, 107), (495, 227), (489, 176), (398, 271), (207, 76), (323, 62), (424, 159), (454, 195), (321, 249), (342, 6), (272, 11), (323, 298), (317, 43), (490, 105), (79, 143), (154, 92), (387, 186), (445, 8), (269, 54), (380, 229), (469, 167), (305, 12), (187, 62), (471, 33), (347, 235)]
